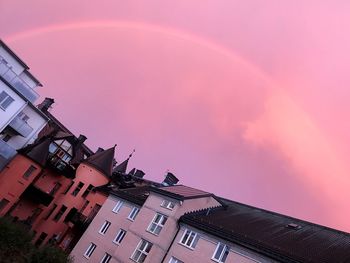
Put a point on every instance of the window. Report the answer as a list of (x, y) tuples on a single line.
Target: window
[(175, 260), (60, 213), (77, 189), (84, 206), (23, 116), (69, 187), (104, 227), (221, 253), (106, 258), (5, 100), (40, 239), (29, 172), (3, 203), (141, 252), (61, 153), (90, 250), (7, 137), (51, 211), (133, 213), (87, 191), (55, 188), (120, 236), (157, 224), (168, 204), (189, 239), (117, 207)]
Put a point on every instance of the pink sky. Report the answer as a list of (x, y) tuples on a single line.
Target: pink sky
[(246, 99)]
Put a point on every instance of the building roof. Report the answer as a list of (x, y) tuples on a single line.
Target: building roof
[(20, 61), (39, 152), (137, 195), (55, 125), (181, 192), (121, 168), (102, 161), (280, 237)]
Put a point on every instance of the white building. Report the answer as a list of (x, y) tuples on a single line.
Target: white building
[(20, 120)]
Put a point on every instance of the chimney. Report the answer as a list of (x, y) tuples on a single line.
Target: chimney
[(139, 173), (99, 150), (82, 138), (170, 179), (46, 104)]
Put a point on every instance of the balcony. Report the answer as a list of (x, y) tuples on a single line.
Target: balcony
[(79, 220), (19, 84), (37, 195), (21, 127), (6, 154), (59, 166)]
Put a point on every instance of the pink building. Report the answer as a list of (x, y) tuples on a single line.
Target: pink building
[(151, 224), (53, 186), (138, 225)]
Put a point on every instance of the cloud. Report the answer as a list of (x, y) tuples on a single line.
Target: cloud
[(310, 153)]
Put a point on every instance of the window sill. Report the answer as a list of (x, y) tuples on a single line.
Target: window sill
[(152, 233), (167, 208), (190, 248)]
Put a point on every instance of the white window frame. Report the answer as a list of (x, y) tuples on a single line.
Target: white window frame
[(90, 250), (187, 241), (175, 260), (117, 207), (140, 250), (168, 204), (222, 254), (104, 227), (157, 224), (120, 236), (106, 258), (134, 212), (7, 99)]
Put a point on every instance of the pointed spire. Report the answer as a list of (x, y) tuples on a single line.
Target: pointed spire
[(103, 161), (40, 152), (121, 168)]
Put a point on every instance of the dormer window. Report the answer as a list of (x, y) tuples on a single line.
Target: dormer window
[(168, 204), (61, 153)]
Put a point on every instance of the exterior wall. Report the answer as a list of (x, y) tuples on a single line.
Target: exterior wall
[(36, 121), (84, 174), (13, 109), (27, 79), (104, 242), (12, 182), (205, 249), (16, 66), (136, 229)]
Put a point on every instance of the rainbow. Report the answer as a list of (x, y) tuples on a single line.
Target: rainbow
[(137, 26)]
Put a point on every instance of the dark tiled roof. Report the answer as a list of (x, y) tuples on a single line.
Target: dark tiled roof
[(181, 192), (121, 168), (39, 152), (102, 161), (280, 237), (54, 126), (137, 195)]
